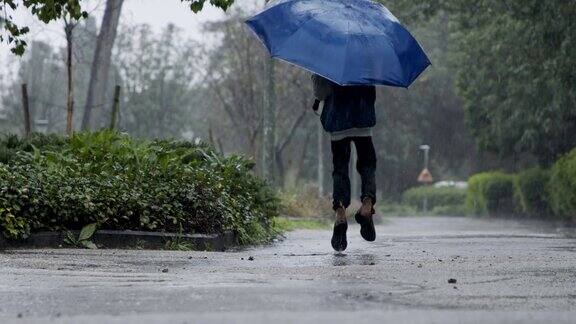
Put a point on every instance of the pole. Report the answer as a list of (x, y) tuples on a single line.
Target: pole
[(26, 110), (426, 149), (115, 108), (426, 193), (320, 159)]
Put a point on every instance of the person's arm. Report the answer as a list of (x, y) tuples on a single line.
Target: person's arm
[(322, 87)]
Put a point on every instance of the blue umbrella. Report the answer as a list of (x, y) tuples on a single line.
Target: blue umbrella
[(351, 42)]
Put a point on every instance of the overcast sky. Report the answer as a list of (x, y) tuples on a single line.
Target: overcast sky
[(157, 13)]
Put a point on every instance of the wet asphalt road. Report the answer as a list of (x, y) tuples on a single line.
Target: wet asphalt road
[(506, 272)]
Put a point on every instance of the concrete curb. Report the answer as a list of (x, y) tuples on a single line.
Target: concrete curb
[(126, 240)]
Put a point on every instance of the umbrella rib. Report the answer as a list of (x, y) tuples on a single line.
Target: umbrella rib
[(346, 52)]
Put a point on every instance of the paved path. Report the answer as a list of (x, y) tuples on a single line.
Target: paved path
[(505, 272)]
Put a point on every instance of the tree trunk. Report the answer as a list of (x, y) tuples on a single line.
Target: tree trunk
[(269, 126), (101, 63), (69, 29), (115, 109), (26, 111)]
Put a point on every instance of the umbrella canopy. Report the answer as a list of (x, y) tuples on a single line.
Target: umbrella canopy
[(351, 42)]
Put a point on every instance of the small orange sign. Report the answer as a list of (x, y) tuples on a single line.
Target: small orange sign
[(425, 177)]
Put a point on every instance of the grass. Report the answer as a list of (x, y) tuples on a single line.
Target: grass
[(304, 202)]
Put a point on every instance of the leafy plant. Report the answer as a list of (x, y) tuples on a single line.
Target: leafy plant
[(13, 227), (84, 239), (562, 187), (178, 244), (531, 192), (490, 193), (121, 183)]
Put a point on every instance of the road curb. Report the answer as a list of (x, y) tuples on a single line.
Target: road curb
[(127, 240)]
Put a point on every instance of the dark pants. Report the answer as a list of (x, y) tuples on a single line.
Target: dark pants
[(366, 166)]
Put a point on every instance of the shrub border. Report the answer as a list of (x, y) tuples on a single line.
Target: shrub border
[(126, 240)]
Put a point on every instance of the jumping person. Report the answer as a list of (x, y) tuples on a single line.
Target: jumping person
[(349, 116)]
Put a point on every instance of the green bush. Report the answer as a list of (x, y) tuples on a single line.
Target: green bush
[(562, 187), (490, 193), (52, 183), (436, 197), (530, 192)]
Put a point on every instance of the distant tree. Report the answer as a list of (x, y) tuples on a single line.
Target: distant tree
[(513, 62), (95, 98), (430, 112), (50, 10), (69, 26), (157, 73), (237, 77), (44, 69)]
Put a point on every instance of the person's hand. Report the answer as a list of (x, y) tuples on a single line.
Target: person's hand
[(316, 106)]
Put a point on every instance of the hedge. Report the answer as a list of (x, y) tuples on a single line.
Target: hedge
[(490, 193), (562, 187), (530, 192), (437, 197), (54, 183)]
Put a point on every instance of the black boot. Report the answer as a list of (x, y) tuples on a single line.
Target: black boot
[(364, 218), (339, 242)]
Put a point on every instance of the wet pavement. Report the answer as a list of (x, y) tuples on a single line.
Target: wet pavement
[(505, 272)]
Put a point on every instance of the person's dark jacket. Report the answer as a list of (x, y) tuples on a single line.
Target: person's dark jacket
[(345, 107)]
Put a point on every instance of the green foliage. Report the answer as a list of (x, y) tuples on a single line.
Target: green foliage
[(45, 10), (490, 193), (178, 244), (84, 238), (121, 183), (11, 225), (515, 74), (562, 187), (436, 197), (530, 192), (197, 5), (513, 66), (12, 145)]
